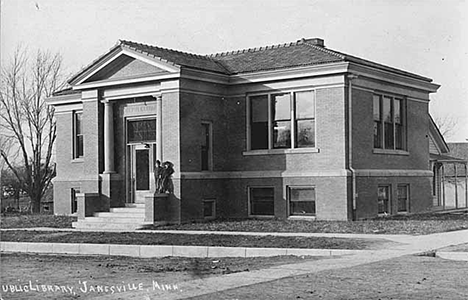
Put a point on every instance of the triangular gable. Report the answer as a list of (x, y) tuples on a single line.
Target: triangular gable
[(125, 67), (121, 62), (437, 144)]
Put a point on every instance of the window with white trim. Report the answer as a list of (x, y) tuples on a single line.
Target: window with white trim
[(301, 201), (262, 201), (282, 120), (78, 138), (389, 123)]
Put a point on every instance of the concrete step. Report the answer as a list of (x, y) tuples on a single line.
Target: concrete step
[(128, 209), (129, 220), (135, 205), (106, 226), (119, 215)]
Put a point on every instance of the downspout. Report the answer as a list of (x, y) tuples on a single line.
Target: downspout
[(350, 143)]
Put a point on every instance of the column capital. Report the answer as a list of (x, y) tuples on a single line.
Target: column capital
[(158, 97), (106, 102)]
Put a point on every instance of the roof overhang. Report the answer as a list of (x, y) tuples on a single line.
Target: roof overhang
[(445, 158)]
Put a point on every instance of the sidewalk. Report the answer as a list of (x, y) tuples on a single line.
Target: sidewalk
[(199, 287), (408, 245)]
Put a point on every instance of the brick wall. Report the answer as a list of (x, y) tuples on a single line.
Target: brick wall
[(420, 194), (363, 136)]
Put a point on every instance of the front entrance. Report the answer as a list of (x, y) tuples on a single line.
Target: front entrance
[(142, 162), (141, 136)]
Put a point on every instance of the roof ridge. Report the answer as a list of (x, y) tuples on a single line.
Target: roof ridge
[(163, 48), (255, 49)]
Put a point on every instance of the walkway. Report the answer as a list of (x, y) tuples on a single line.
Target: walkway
[(407, 245)]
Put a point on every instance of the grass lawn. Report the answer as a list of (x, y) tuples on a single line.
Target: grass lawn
[(135, 238), (35, 220), (409, 224), (416, 224), (115, 271)]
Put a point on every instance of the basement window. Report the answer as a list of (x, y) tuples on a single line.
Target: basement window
[(261, 201)]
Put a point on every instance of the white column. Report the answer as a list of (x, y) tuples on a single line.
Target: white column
[(159, 128), (108, 138)]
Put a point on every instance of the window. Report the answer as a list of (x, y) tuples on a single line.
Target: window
[(388, 123), (209, 209), (74, 202), (282, 121), (383, 200), (302, 201), (206, 147), (262, 201), (78, 141), (141, 131), (403, 197), (305, 119)]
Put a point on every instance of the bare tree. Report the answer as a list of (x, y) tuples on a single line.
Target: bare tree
[(28, 121), (447, 125)]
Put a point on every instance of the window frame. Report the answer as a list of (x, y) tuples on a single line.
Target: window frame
[(73, 198), (300, 187), (75, 139), (210, 146), (293, 121), (381, 123), (408, 197), (249, 202), (213, 208), (389, 199)]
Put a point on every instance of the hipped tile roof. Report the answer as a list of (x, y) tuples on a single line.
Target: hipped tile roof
[(296, 54)]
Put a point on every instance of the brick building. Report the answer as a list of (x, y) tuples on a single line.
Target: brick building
[(289, 131)]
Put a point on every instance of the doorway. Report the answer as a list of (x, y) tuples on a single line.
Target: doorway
[(141, 137)]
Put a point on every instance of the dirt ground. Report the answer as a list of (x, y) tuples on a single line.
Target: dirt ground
[(63, 277), (407, 277)]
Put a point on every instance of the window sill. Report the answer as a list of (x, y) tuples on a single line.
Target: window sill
[(261, 217), (311, 218), (390, 152), (281, 151), (77, 160)]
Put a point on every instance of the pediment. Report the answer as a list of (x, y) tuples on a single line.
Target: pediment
[(123, 67), (121, 64)]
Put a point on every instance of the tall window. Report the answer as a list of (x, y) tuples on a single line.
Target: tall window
[(206, 151), (282, 121), (259, 122), (388, 123), (262, 201), (78, 141), (383, 200), (281, 117), (305, 119), (403, 197), (302, 201)]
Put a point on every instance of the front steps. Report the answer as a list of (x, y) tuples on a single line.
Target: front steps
[(128, 218)]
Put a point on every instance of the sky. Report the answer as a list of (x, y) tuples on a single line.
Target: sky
[(426, 37)]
